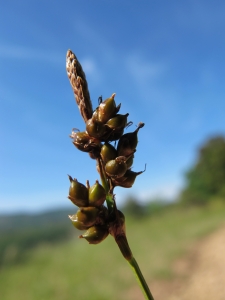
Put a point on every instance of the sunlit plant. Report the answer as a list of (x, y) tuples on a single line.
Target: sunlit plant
[(104, 140)]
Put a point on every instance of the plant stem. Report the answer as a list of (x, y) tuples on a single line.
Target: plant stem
[(121, 239), (145, 289), (127, 254), (103, 176), (105, 184)]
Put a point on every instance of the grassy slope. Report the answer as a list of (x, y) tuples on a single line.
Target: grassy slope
[(76, 270), (19, 233)]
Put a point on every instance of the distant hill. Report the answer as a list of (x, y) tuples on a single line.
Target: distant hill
[(22, 220), (20, 232)]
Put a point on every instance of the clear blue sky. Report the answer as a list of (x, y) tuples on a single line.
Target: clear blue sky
[(163, 59)]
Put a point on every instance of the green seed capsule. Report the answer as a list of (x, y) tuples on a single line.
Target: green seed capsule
[(96, 129), (97, 195), (130, 161), (116, 167), (128, 142), (95, 234), (80, 139), (86, 143), (79, 225), (108, 152), (127, 180), (95, 116), (115, 135), (78, 193), (85, 217), (118, 122), (107, 109)]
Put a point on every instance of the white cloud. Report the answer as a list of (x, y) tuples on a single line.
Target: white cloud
[(143, 70), (91, 70), (25, 53)]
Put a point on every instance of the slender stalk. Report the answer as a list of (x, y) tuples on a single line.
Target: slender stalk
[(103, 176), (121, 240), (141, 280), (105, 184), (127, 254)]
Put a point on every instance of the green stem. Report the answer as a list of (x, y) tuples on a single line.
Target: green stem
[(105, 184), (103, 176), (122, 243), (121, 240), (145, 289)]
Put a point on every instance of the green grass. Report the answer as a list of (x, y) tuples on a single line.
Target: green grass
[(19, 233), (75, 270)]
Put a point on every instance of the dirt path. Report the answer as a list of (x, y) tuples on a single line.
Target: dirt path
[(199, 276)]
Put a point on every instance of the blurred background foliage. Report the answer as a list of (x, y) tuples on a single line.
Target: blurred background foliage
[(42, 243), (206, 179)]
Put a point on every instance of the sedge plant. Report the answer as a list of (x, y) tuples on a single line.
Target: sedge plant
[(104, 140)]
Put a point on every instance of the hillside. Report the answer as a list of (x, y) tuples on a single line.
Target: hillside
[(71, 268), (19, 233)]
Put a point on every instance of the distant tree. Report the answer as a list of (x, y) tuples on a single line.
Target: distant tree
[(207, 177), (133, 207), (156, 206)]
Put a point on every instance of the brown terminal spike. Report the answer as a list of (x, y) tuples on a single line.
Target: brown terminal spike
[(79, 85)]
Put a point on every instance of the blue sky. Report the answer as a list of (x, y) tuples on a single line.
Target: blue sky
[(163, 59)]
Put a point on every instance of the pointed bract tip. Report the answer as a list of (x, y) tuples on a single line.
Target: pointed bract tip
[(70, 178)]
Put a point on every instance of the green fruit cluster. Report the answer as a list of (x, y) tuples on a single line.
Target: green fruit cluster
[(105, 126), (92, 215), (114, 163)]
